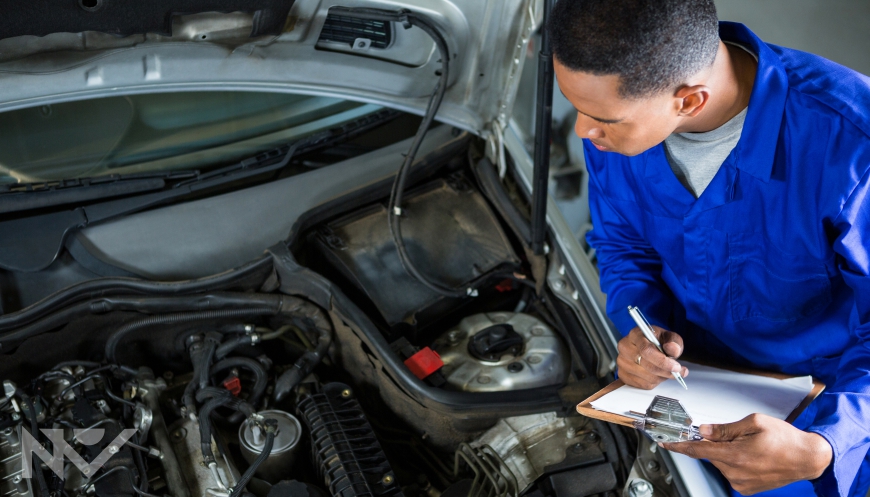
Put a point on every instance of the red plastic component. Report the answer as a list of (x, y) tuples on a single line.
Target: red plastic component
[(425, 362), (506, 285), (234, 385)]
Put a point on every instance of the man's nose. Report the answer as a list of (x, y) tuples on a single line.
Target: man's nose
[(587, 128)]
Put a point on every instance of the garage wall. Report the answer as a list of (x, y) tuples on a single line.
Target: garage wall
[(836, 29)]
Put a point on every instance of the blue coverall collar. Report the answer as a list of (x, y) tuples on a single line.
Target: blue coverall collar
[(755, 151)]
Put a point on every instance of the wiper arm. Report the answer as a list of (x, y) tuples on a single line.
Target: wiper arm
[(19, 197), (261, 163)]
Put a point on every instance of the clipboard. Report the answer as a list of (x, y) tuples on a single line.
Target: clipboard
[(585, 408)]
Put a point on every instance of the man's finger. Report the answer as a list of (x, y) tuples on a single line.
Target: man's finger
[(672, 343), (637, 381), (657, 363)]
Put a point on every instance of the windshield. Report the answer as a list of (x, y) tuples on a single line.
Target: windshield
[(158, 132)]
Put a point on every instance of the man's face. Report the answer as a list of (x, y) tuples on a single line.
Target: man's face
[(611, 122)]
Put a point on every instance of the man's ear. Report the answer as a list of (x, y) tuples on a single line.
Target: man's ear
[(691, 100)]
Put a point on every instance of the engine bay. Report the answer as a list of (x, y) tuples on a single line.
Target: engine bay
[(320, 369)]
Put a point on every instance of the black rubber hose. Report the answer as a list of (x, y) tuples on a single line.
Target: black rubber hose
[(203, 372), (233, 343), (303, 366), (234, 403), (97, 288), (201, 352), (194, 351), (205, 425), (214, 398), (177, 318), (394, 207), (271, 428), (261, 379)]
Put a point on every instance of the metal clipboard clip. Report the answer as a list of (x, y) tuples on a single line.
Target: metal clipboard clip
[(667, 421)]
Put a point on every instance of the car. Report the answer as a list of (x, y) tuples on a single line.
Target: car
[(293, 248)]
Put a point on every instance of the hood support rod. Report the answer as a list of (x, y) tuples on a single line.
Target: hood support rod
[(543, 125)]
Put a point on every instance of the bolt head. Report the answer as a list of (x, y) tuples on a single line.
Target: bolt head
[(346, 393), (388, 480), (559, 284), (515, 367), (640, 488)]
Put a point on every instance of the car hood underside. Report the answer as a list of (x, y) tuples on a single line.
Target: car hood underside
[(94, 48)]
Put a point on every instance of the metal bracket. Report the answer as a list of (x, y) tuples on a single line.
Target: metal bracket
[(667, 421)]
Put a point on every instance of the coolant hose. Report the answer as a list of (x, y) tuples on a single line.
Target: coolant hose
[(234, 343)]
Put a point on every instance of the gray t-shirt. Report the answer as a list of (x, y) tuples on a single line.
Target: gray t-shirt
[(696, 157)]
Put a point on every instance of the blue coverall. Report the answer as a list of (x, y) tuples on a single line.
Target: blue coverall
[(770, 266)]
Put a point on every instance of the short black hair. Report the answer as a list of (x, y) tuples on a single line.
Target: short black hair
[(652, 45)]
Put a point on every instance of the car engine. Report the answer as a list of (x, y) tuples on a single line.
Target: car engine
[(321, 369)]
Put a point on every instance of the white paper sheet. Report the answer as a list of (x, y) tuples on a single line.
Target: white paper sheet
[(715, 396)]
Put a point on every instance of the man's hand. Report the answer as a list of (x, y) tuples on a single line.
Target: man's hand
[(760, 453), (641, 364)]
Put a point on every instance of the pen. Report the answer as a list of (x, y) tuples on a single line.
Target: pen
[(645, 327)]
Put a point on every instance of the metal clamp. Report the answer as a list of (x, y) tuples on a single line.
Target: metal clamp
[(667, 421)]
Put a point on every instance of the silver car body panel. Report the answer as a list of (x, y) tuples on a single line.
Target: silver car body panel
[(487, 39)]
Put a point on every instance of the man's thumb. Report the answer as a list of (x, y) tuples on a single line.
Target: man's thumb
[(721, 433), (731, 431)]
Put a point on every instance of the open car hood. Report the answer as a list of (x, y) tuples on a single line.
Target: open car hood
[(52, 52)]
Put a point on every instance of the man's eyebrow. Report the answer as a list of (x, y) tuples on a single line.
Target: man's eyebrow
[(599, 119)]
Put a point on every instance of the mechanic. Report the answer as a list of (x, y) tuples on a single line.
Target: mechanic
[(730, 199)]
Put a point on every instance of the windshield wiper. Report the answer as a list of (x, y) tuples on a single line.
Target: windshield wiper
[(17, 197), (32, 243)]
